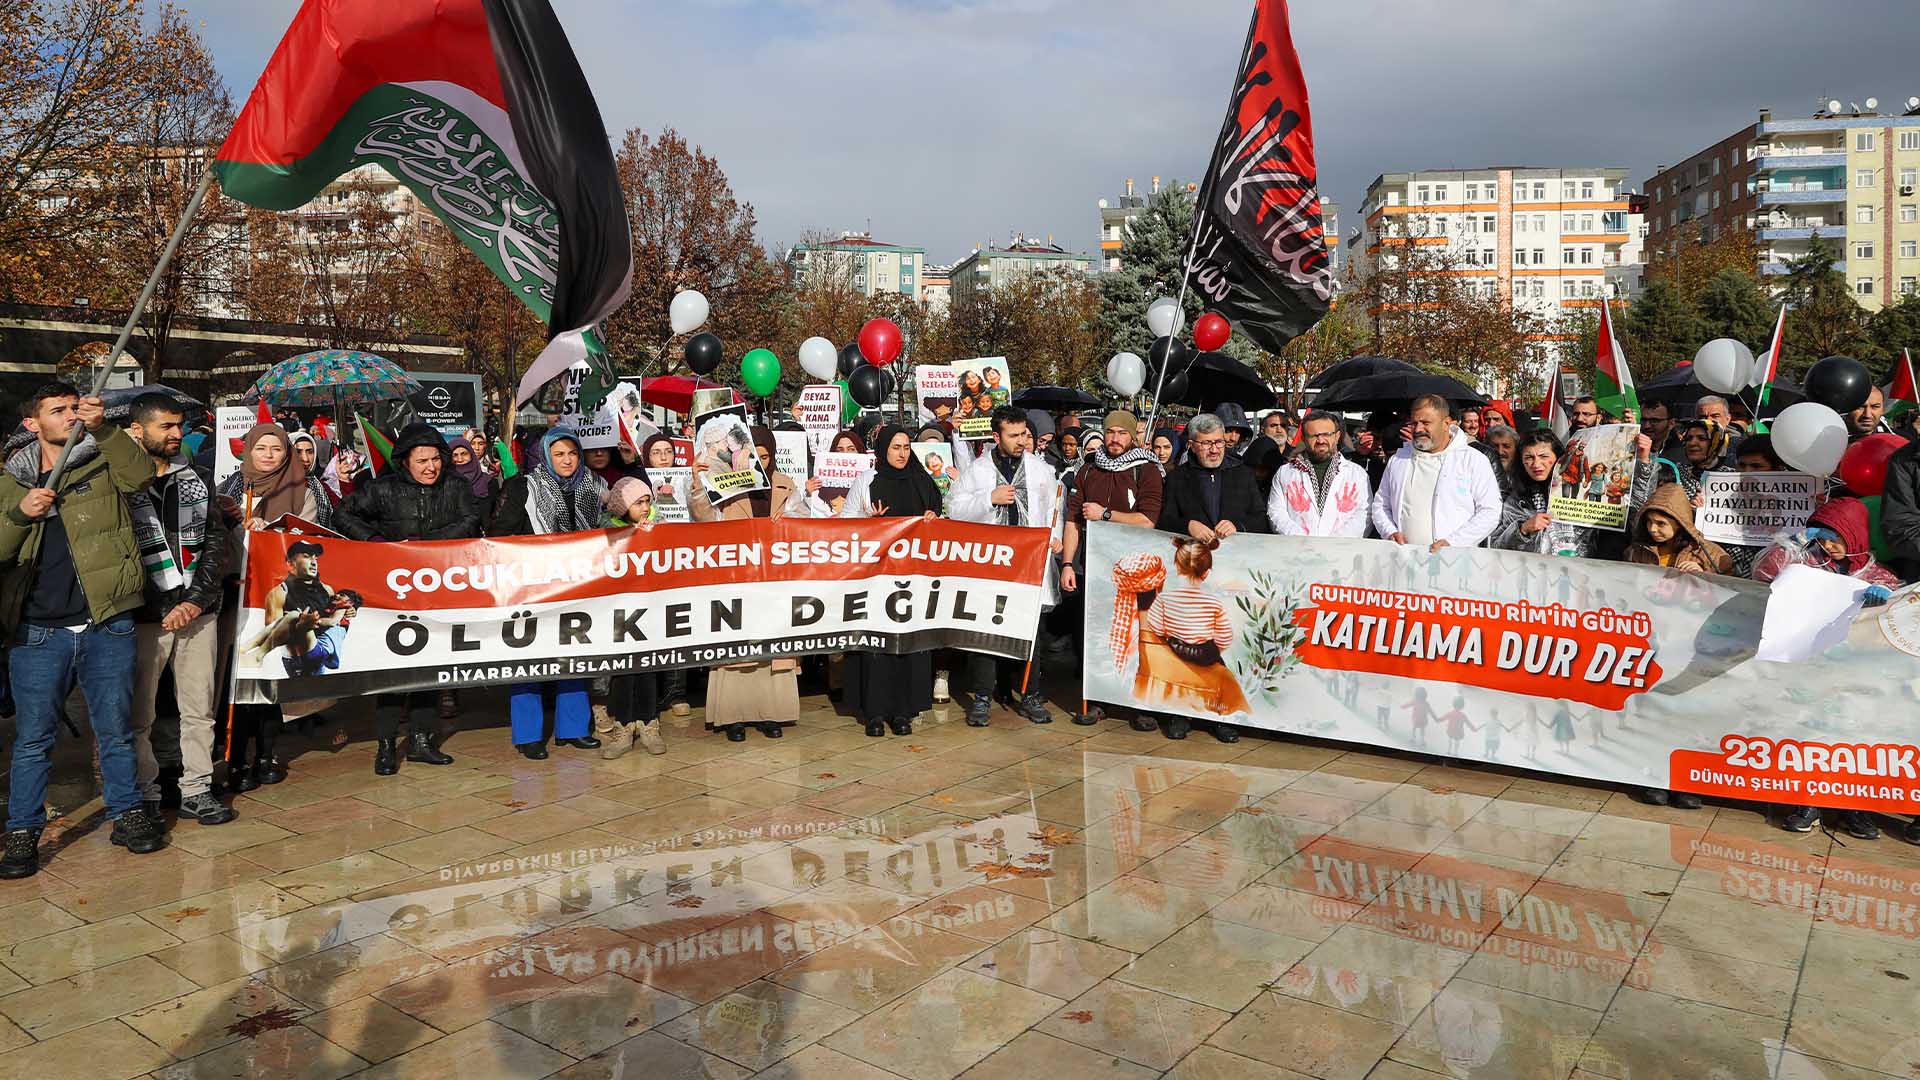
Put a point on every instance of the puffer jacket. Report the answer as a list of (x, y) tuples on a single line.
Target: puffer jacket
[(1900, 511), (1697, 556), (392, 506), (106, 467), (1847, 518)]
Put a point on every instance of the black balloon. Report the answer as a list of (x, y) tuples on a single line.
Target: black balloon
[(850, 359), (868, 385), (1175, 388), (1841, 383), (704, 353), (1162, 347)]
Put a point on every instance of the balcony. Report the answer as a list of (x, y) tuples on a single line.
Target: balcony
[(1802, 232), (1820, 159), (1775, 269), (1802, 198)]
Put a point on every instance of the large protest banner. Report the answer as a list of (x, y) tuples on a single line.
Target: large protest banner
[(1613, 671), (335, 618)]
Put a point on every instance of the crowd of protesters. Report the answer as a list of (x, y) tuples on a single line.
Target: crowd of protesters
[(127, 562)]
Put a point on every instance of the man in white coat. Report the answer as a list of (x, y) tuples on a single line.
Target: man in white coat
[(1009, 485), (1319, 492), (1438, 491)]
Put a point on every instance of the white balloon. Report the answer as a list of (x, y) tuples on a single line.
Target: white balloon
[(819, 358), (1126, 373), (1810, 437), (1164, 317), (1723, 366), (1760, 365), (688, 312)]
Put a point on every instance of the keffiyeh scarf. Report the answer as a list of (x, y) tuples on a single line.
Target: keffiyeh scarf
[(1132, 575), (157, 556)]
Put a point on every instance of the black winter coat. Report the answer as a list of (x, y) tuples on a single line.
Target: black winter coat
[(392, 506), (1900, 511), (1182, 499)]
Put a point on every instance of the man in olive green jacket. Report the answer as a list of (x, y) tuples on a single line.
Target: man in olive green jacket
[(72, 579)]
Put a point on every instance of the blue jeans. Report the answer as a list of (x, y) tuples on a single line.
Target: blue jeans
[(45, 663), (571, 711)]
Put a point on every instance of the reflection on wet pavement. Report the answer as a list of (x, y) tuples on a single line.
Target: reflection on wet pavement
[(1019, 901)]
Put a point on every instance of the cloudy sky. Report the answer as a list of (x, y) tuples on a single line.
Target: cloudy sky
[(949, 123)]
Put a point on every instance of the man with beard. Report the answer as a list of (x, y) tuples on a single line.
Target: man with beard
[(183, 550), (1438, 491), (1584, 414), (1118, 482), (1319, 492), (1866, 420), (1656, 423), (1008, 485)]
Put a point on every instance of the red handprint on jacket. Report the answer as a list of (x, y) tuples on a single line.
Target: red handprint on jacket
[(1298, 497), (1349, 498)]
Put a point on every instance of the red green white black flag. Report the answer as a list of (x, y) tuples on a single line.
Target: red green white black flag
[(479, 108), (1612, 378)]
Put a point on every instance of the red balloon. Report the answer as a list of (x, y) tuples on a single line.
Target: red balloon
[(880, 342), (1211, 331), (1863, 468)]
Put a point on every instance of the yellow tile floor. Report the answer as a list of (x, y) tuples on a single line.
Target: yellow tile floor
[(1051, 902)]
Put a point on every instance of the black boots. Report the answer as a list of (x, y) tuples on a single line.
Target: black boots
[(386, 757), (420, 748)]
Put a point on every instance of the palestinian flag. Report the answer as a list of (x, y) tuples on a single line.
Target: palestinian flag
[(1904, 395), (509, 465), (379, 447), (1553, 411), (477, 106), (1612, 378), (1768, 367)]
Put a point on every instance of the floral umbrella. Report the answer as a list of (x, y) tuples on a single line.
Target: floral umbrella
[(332, 377)]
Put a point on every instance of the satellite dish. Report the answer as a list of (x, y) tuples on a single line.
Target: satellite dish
[(1833, 106), (1913, 103), (1873, 103), (1103, 204)]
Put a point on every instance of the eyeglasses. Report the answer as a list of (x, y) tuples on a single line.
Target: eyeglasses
[(1209, 444)]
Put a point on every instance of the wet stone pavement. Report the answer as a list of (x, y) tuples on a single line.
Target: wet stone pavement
[(1020, 901)]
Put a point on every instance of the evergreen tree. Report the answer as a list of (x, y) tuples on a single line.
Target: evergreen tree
[(1662, 329), (1891, 329), (1150, 262), (1823, 318), (1732, 306)]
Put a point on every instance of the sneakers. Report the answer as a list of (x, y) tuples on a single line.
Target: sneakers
[(1033, 706), (680, 708), (979, 712), (1801, 819), (615, 738), (206, 810), (649, 737), (22, 857), (942, 693), (420, 748), (1859, 825), (138, 832)]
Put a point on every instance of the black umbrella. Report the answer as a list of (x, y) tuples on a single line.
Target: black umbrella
[(1393, 390), (119, 401), (1679, 386), (1055, 399), (1216, 379), (1355, 367)]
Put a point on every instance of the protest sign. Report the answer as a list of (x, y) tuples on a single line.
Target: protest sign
[(230, 424), (682, 453), (790, 454), (619, 421), (724, 446), (837, 473), (710, 399), (1750, 509), (670, 487), (1613, 671), (985, 384), (937, 459), (1595, 478), (818, 410), (452, 403), (936, 389), (581, 605)]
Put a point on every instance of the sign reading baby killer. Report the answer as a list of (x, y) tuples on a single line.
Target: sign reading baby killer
[(334, 618)]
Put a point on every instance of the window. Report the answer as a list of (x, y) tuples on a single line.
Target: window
[(1540, 189), (1422, 193), (1863, 178), (1907, 285), (1539, 256), (1863, 140), (1733, 157), (1586, 223), (1586, 288), (1909, 212), (1716, 195), (1716, 166), (1910, 249), (1863, 215), (1489, 224), (1487, 257), (1440, 226), (1586, 256), (1863, 286), (1473, 192), (1566, 290), (1910, 140), (1568, 223), (1566, 256), (1519, 257), (1586, 189), (1863, 249), (1539, 288)]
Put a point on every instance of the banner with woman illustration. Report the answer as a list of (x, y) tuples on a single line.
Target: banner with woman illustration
[(1611, 671)]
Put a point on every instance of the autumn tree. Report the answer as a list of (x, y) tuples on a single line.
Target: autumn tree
[(1823, 317), (345, 263), (1690, 262), (454, 294), (689, 232), (1340, 334), (1425, 304)]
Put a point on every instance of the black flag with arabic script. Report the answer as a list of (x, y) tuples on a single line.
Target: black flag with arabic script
[(1259, 254)]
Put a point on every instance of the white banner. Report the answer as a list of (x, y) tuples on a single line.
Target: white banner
[(1750, 509)]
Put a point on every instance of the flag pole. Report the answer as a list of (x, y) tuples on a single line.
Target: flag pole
[(104, 370)]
